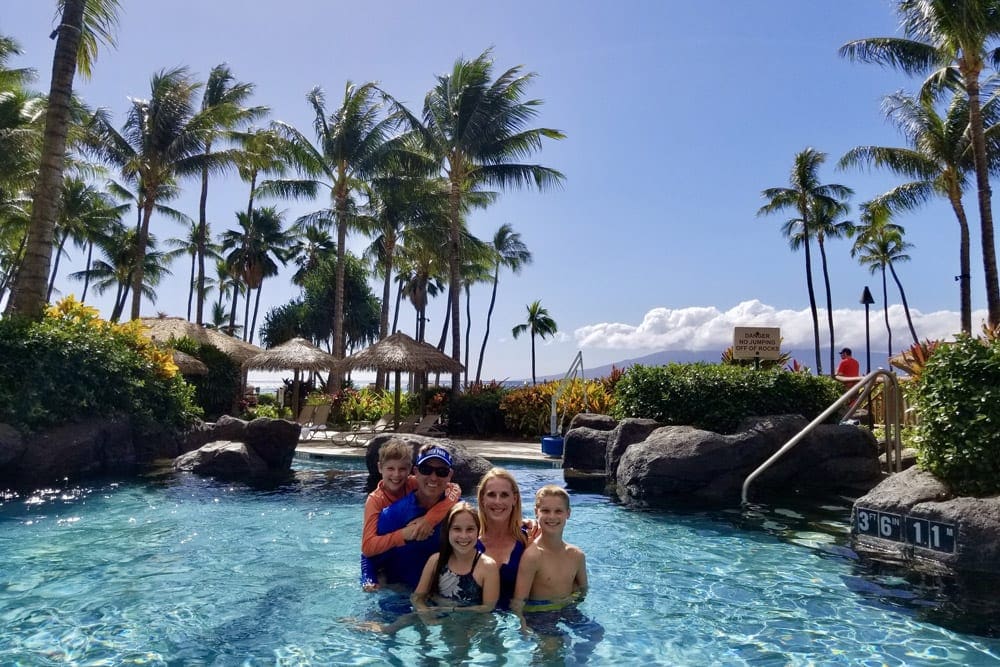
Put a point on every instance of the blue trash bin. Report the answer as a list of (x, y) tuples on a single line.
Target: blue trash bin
[(552, 445)]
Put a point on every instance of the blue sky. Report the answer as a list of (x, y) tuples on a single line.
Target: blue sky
[(677, 115)]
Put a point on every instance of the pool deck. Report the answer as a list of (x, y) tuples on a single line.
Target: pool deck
[(494, 451)]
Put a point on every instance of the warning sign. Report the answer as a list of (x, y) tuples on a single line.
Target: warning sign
[(756, 343)]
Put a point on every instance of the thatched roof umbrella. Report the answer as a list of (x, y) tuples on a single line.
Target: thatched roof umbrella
[(162, 329), (399, 353), (298, 354), (188, 365)]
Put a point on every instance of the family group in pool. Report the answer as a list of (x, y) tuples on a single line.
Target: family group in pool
[(459, 558)]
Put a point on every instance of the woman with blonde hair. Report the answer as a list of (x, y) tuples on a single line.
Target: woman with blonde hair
[(503, 534)]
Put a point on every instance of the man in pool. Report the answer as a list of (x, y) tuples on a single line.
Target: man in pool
[(433, 470)]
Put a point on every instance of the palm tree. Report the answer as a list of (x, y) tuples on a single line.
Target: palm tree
[(948, 40), (224, 97), (254, 254), (163, 138), (879, 243), (309, 246), (539, 324), (82, 24), (826, 225), (191, 245), (351, 148), (806, 196), (475, 129), (509, 251), (938, 161), (119, 266), (85, 214)]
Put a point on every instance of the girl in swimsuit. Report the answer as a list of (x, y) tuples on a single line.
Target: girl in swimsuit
[(458, 577), (504, 534)]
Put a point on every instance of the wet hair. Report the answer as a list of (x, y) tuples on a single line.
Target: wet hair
[(549, 491), (444, 555), (394, 448), (516, 518), (846, 351)]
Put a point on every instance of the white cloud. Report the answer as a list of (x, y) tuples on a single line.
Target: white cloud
[(707, 328)]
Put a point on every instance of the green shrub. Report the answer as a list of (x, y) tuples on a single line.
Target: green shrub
[(71, 365), (957, 400), (527, 410), (718, 397), (218, 390), (476, 411)]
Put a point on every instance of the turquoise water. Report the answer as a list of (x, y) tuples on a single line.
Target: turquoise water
[(181, 570)]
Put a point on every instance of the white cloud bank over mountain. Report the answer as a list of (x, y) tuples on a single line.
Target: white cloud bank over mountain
[(707, 328)]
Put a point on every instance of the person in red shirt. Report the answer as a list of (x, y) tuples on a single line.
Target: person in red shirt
[(849, 370)]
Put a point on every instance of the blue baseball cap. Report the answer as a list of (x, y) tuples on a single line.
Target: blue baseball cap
[(439, 453)]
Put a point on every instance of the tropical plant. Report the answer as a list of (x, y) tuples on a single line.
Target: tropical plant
[(957, 400), (527, 411), (254, 253), (351, 148), (475, 129), (192, 245), (877, 244), (538, 324), (82, 24), (163, 138), (810, 200), (719, 397), (223, 99), (949, 41), (938, 161), (510, 252)]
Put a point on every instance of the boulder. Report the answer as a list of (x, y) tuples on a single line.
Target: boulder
[(585, 449), (225, 459), (914, 518), (682, 464), (628, 432), (274, 440), (92, 447), (592, 420), (225, 428), (469, 468)]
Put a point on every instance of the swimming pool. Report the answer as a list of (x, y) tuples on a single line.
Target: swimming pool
[(182, 570)]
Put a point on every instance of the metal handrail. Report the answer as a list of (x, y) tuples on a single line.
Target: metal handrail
[(862, 391), (574, 368)]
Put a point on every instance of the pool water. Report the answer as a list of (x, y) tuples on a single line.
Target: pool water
[(181, 570)]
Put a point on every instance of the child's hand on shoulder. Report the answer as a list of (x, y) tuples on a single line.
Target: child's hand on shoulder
[(453, 492)]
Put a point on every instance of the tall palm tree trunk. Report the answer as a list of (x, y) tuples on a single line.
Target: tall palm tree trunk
[(447, 321), (86, 273), (336, 379), (906, 306), (381, 379), (885, 311), (201, 241), (829, 299), (533, 358), (192, 284), (812, 305), (964, 263), (455, 278), (55, 265), (256, 307), (246, 312), (489, 314), (468, 329), (232, 309), (399, 300), (140, 256), (28, 297), (985, 197)]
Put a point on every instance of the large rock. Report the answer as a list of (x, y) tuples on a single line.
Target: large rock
[(681, 464), (92, 447), (240, 449), (225, 459), (960, 534), (469, 468), (592, 420)]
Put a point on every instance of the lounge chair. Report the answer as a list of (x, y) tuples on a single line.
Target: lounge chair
[(318, 423), (430, 425), (306, 415)]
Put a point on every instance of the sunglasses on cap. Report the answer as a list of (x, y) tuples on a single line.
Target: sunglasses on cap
[(428, 469)]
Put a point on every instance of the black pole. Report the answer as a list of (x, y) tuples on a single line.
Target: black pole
[(868, 300)]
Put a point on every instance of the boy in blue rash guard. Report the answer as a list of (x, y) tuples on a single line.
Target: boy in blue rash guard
[(433, 471)]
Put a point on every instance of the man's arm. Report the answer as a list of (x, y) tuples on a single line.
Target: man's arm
[(424, 526)]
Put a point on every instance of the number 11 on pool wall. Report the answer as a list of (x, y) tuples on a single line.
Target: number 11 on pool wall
[(930, 534)]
